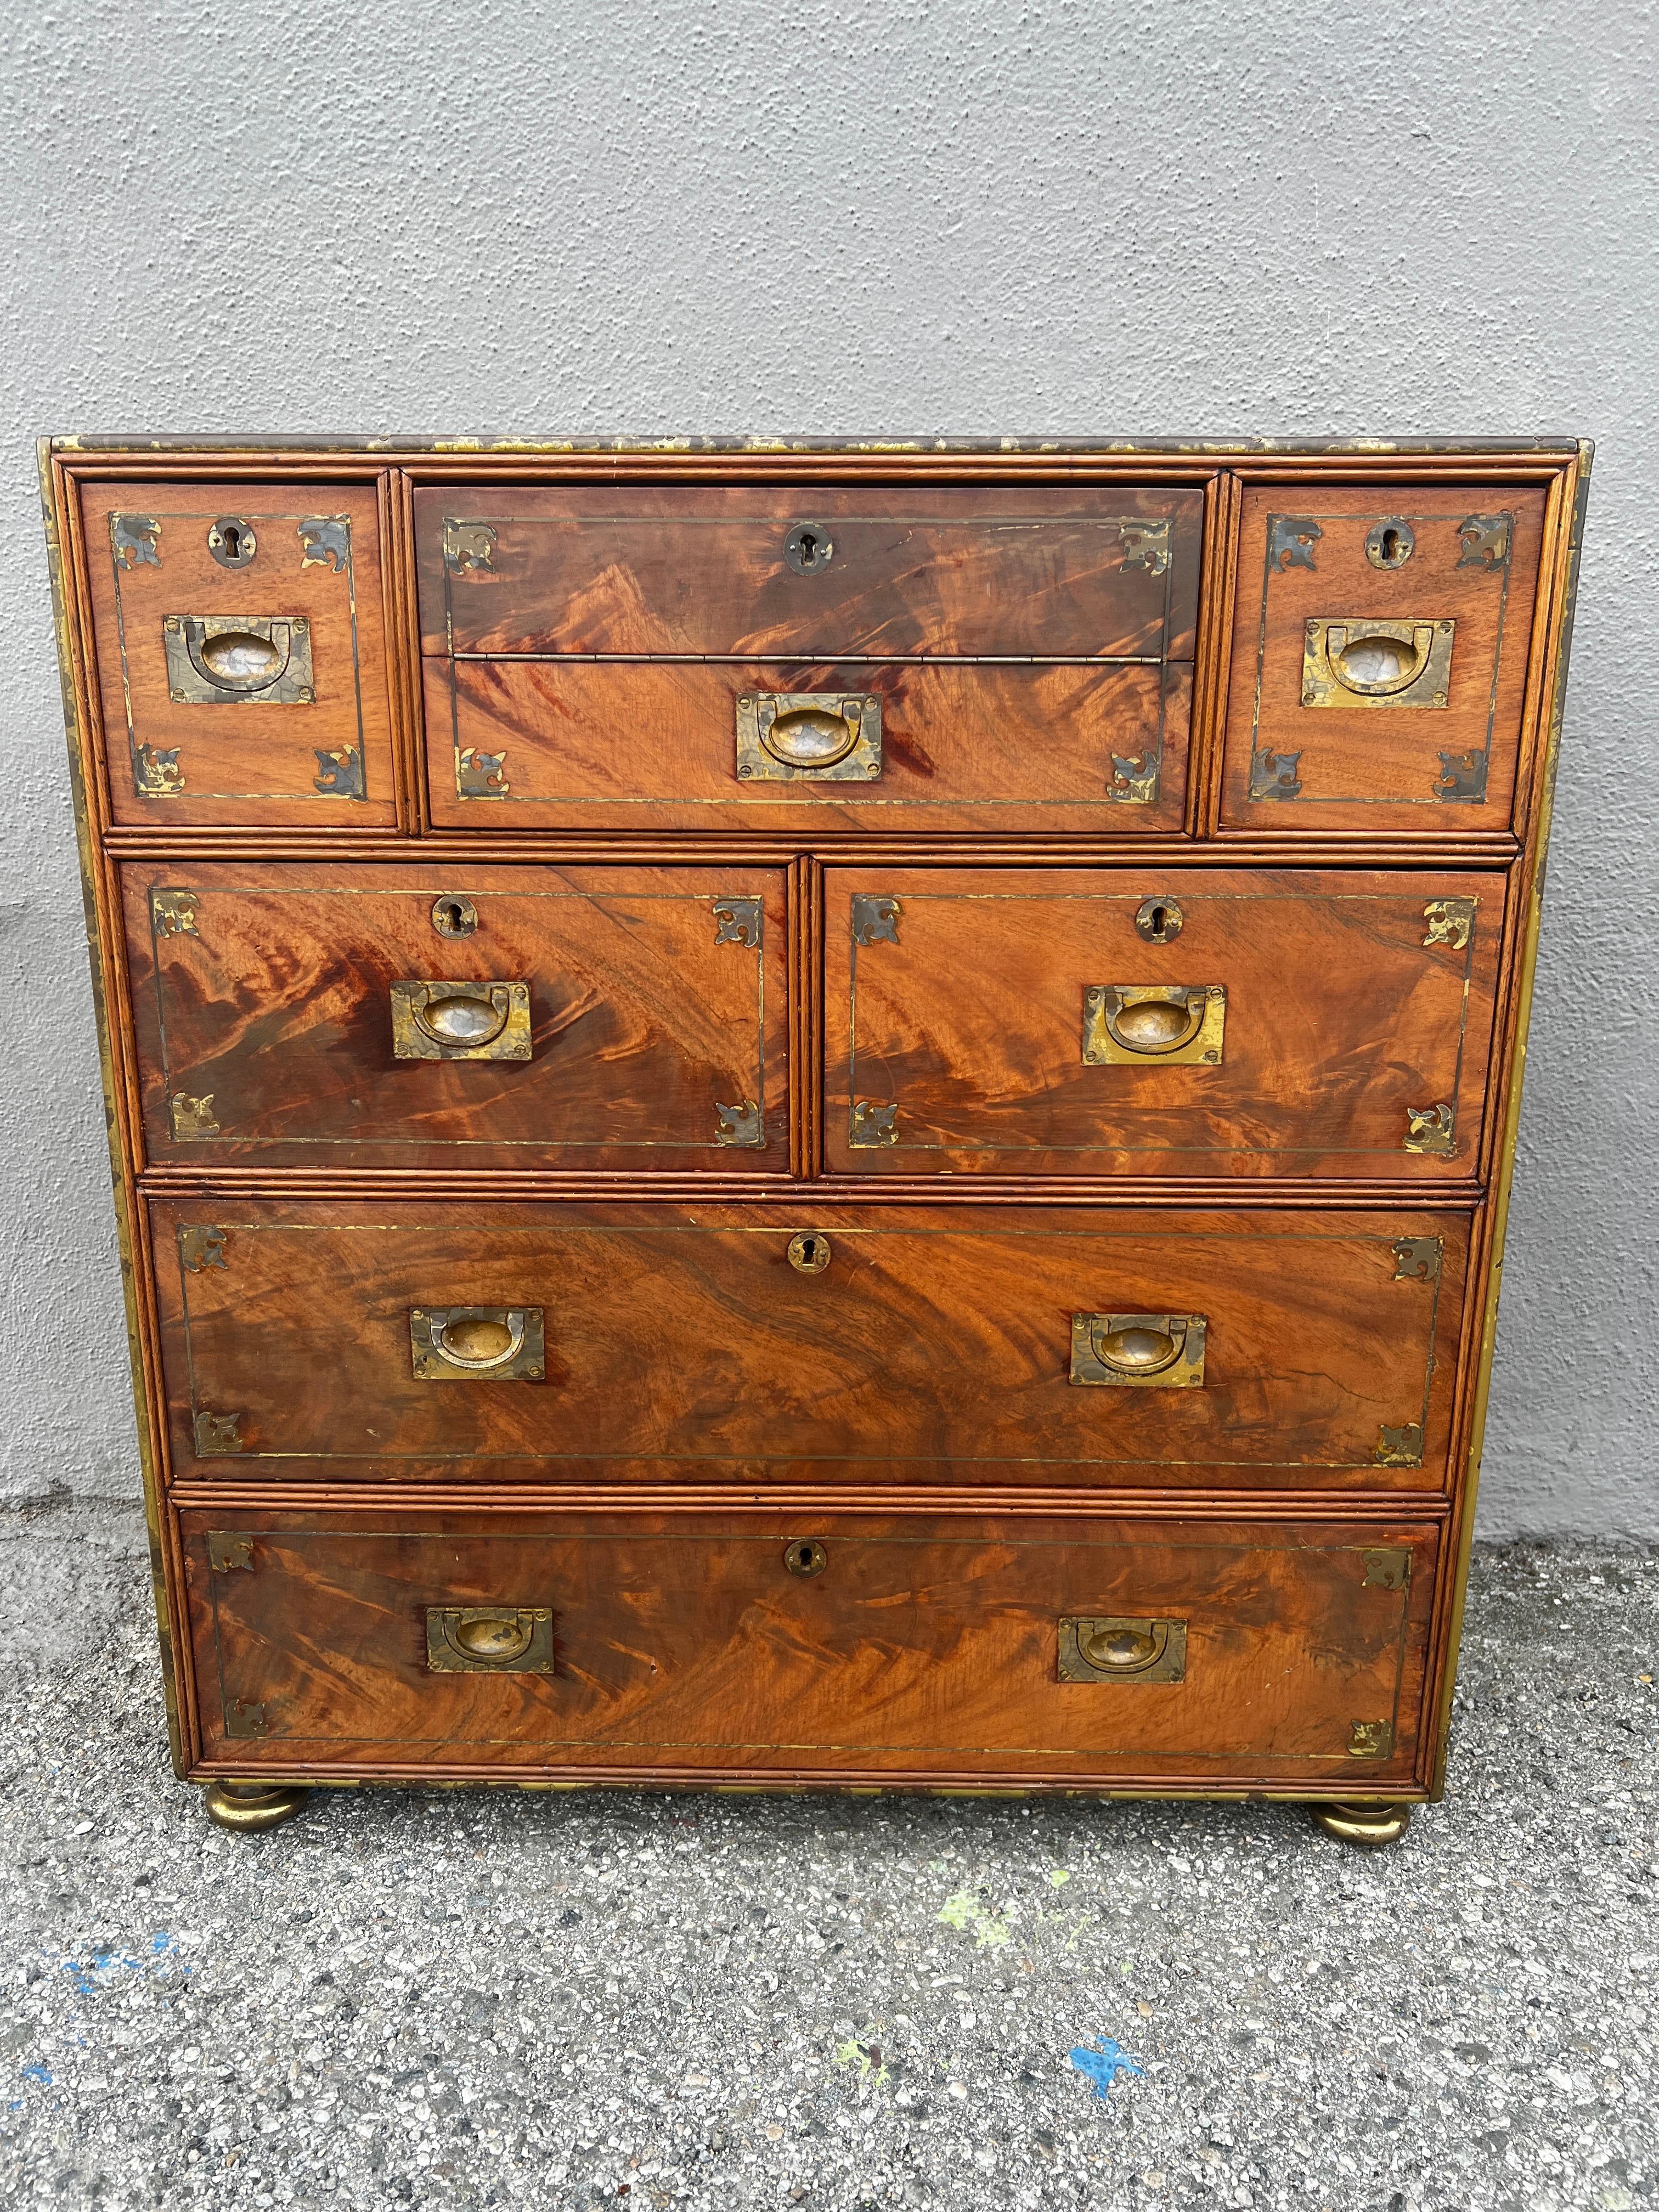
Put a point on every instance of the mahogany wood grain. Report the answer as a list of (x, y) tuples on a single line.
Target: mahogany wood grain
[(969, 1020), (243, 760), (982, 747), (274, 1005), (1376, 768), (933, 1350), (956, 569), (919, 1649)]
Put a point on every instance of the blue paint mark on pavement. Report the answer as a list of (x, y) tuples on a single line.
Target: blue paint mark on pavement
[(1104, 2066), (36, 2072)]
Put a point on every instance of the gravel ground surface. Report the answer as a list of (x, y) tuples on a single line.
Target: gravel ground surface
[(504, 1999)]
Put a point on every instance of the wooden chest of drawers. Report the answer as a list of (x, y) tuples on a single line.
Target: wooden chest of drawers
[(813, 1115)]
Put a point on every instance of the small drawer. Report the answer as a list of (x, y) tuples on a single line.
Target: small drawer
[(830, 1345), (927, 658), (241, 637), (1166, 1021), (1381, 642), (300, 1016), (1288, 1656)]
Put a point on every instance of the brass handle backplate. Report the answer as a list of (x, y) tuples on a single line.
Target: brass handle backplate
[(813, 736), (1359, 662), (1139, 1351), (460, 1021), (489, 1639), (1135, 1024), (1096, 1648), (476, 1344), (220, 659)]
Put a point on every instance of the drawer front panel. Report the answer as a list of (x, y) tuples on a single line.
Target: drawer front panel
[(1290, 1654), (522, 1016), (835, 1346), (240, 634), (1380, 651), (1163, 1023), (1044, 572), (964, 745), (1020, 658)]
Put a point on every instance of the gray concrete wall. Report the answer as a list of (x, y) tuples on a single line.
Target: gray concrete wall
[(854, 216)]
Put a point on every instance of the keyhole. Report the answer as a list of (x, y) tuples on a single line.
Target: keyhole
[(808, 548), (452, 916), (807, 1557), (233, 537), (1390, 544), (1158, 921), (809, 1252)]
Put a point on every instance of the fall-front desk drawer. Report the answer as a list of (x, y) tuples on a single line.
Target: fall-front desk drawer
[(422, 1342), (1159, 1022), (907, 658), (524, 1016), (1066, 1651)]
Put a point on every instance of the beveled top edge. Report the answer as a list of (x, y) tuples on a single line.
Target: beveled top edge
[(1202, 449)]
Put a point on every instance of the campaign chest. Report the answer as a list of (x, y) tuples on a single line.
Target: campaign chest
[(813, 1115)]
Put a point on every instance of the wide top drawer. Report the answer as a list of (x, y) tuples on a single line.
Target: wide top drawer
[(805, 572)]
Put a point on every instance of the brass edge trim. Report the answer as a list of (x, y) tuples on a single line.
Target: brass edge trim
[(78, 737), (1565, 582), (1364, 452)]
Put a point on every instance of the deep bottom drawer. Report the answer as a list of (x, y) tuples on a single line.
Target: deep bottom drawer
[(818, 1646)]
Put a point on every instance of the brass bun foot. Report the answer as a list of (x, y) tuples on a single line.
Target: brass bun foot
[(1370, 1824), (250, 1807)]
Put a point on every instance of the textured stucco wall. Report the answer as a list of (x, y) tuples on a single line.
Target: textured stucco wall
[(858, 215)]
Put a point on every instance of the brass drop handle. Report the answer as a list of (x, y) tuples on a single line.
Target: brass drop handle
[(449, 1017), (1093, 1648), (1375, 661), (476, 1342), (246, 656), (490, 1639), (1152, 1019), (441, 1020), (1139, 1348), (1125, 1648)]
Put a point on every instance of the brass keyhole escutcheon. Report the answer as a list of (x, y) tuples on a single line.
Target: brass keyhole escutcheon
[(232, 542), (1158, 920), (809, 548), (809, 1253), (493, 1636), (806, 1556), (453, 917), (1391, 544)]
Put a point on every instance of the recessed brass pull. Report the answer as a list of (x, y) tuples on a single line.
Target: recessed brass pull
[(1360, 662), (1093, 1648), (460, 1021), (1183, 1024), (827, 737), (495, 1344), (1143, 1352), (216, 659), (489, 1639)]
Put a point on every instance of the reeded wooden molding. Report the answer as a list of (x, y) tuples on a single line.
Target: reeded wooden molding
[(1104, 1195), (814, 1508)]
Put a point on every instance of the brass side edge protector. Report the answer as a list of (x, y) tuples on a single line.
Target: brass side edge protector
[(1502, 1180), (78, 738)]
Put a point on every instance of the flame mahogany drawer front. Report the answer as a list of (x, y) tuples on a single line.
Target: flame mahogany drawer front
[(303, 1016), (909, 658), (1381, 645), (1163, 1022), (423, 1342), (1059, 1650), (240, 634)]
